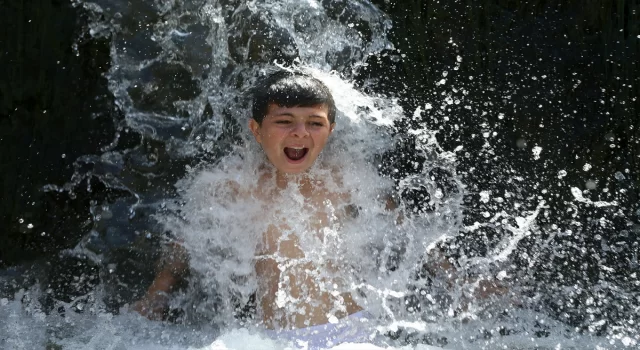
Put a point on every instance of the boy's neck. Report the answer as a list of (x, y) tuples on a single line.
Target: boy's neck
[(302, 180)]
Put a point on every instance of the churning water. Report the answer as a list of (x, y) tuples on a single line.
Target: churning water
[(180, 71)]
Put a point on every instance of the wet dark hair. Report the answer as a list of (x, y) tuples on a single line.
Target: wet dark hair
[(291, 89)]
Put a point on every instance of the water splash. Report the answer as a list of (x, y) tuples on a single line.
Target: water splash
[(178, 72)]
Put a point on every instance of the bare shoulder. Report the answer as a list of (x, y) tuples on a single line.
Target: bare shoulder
[(243, 187), (332, 190)]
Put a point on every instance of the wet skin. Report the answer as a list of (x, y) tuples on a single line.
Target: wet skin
[(294, 291), (305, 129), (297, 131)]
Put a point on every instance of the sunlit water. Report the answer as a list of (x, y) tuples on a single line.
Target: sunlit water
[(180, 71)]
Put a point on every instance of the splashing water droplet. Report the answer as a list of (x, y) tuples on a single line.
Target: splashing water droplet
[(485, 196), (536, 152)]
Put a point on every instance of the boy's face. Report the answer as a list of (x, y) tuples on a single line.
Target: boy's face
[(293, 137)]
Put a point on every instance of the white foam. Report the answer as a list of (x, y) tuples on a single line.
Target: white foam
[(242, 339)]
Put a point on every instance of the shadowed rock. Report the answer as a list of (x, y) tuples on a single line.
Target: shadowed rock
[(150, 97), (255, 37)]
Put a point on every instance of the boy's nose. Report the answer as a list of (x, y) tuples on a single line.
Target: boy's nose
[(300, 130)]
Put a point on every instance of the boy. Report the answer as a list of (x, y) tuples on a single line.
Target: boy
[(293, 116)]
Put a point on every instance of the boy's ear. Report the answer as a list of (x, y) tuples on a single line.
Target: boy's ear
[(255, 130), (333, 125)]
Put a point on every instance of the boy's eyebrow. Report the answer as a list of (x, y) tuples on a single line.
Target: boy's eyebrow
[(287, 114)]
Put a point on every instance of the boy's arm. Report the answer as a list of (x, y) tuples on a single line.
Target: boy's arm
[(442, 267), (391, 204), (171, 271), (485, 288)]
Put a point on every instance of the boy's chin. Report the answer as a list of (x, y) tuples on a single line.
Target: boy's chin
[(290, 171), (294, 169)]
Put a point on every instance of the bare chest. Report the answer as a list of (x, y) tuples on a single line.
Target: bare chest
[(299, 227)]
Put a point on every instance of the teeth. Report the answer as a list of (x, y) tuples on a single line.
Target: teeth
[(295, 153)]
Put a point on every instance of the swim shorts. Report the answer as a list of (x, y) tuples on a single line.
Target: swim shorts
[(354, 328)]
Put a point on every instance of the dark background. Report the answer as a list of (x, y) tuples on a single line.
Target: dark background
[(55, 107)]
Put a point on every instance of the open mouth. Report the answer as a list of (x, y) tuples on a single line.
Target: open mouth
[(295, 153)]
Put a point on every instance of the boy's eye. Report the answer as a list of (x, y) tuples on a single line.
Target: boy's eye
[(317, 123), (283, 121)]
